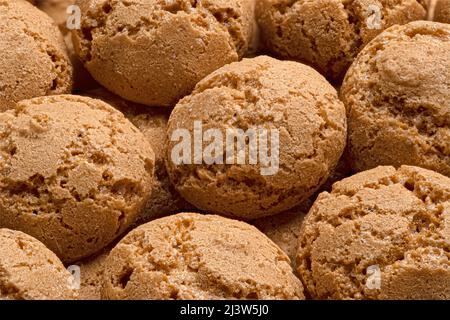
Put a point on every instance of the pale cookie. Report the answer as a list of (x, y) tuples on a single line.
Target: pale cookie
[(381, 234)]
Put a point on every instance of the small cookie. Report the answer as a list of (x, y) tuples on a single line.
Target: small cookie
[(269, 98), (34, 59), (381, 234), (397, 95), (193, 256), (30, 271), (154, 51), (74, 173), (442, 11), (329, 34)]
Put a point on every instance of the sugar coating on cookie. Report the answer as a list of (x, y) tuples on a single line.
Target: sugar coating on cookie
[(193, 256), (397, 95), (34, 59), (278, 97), (329, 34), (381, 234), (164, 199), (30, 271), (154, 51), (442, 11), (74, 173)]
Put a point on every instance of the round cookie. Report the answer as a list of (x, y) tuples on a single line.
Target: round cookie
[(171, 44), (74, 173), (442, 11), (30, 271), (381, 234), (280, 97), (328, 34), (34, 60), (193, 256), (164, 199), (397, 95), (91, 276)]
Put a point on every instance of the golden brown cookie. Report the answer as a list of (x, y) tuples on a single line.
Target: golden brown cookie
[(164, 199), (74, 173), (442, 11), (154, 51), (328, 34), (91, 276), (30, 271), (381, 234), (278, 97), (193, 256), (397, 95), (34, 60)]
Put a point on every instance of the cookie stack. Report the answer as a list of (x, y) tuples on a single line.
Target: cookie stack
[(241, 149)]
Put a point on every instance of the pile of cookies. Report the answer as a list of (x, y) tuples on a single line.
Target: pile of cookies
[(239, 149)]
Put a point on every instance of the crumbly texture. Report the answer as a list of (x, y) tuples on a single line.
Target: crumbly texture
[(57, 10), (442, 11), (329, 34), (74, 173), (30, 271), (171, 44), (91, 276), (34, 59), (399, 113), (395, 220), (284, 229), (261, 93), (193, 256), (164, 199)]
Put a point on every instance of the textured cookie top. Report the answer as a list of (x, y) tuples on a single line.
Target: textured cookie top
[(397, 95), (74, 172), (28, 270), (261, 93), (34, 60), (172, 44), (192, 256), (384, 224), (329, 34), (442, 11)]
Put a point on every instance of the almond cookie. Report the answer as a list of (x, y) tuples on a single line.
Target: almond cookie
[(193, 256), (34, 60), (74, 173), (381, 234), (285, 112), (30, 271), (442, 12), (328, 34), (154, 51), (397, 95), (164, 199)]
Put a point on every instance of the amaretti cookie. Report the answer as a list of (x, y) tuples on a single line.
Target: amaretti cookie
[(397, 95), (264, 134), (381, 234), (164, 199), (34, 60), (328, 34), (74, 173), (154, 51), (193, 256), (442, 11), (30, 271)]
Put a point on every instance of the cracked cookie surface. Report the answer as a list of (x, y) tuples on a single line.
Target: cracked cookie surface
[(30, 271), (328, 34), (193, 256), (34, 59), (171, 44), (259, 93), (397, 95), (74, 173), (380, 234)]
